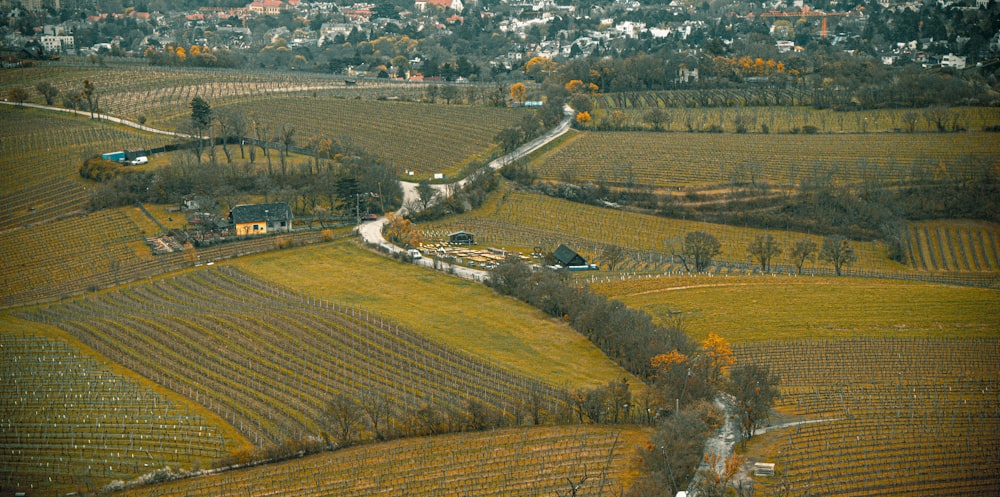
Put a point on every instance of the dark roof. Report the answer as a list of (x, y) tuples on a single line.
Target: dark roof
[(567, 257), (275, 211)]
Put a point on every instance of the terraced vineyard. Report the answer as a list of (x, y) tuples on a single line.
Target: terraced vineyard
[(674, 160), (70, 424), (41, 153), (780, 110), (529, 220), (752, 309), (955, 246), (525, 462), (902, 417), (63, 257), (424, 138), (268, 361), (131, 90)]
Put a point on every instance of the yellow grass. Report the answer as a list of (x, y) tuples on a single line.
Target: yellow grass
[(452, 311), (748, 309)]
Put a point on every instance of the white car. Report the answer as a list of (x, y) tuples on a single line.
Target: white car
[(415, 254), (138, 161)]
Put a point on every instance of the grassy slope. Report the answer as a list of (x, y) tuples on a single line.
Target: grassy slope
[(767, 308), (450, 310)]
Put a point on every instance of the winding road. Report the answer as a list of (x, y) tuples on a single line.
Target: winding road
[(371, 231)]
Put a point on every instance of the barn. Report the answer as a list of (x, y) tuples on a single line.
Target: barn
[(567, 257), (260, 219)]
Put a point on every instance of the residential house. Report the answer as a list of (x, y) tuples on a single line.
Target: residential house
[(260, 219)]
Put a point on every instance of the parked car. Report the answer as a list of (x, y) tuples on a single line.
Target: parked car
[(138, 161)]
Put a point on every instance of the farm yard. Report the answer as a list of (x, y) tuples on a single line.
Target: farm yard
[(456, 313), (428, 138), (747, 310), (522, 220)]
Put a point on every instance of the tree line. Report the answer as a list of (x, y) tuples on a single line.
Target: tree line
[(682, 375)]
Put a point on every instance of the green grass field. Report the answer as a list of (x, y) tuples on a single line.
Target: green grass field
[(762, 308), (448, 310)]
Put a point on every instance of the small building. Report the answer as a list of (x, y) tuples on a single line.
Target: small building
[(260, 219), (763, 469), (462, 238), (566, 257)]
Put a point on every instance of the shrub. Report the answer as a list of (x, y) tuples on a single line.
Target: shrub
[(102, 170), (810, 129)]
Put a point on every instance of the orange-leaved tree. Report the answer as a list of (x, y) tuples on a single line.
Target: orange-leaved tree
[(518, 92), (401, 231), (718, 355)]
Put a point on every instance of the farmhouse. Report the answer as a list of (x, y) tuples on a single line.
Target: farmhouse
[(260, 219)]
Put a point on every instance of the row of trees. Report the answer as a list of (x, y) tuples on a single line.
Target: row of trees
[(873, 208), (700, 249)]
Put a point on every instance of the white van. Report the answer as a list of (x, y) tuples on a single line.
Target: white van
[(138, 161), (414, 254)]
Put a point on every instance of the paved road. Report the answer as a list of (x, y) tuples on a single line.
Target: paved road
[(371, 231)]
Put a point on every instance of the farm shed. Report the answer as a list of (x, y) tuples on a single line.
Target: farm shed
[(462, 238), (260, 219), (567, 257)]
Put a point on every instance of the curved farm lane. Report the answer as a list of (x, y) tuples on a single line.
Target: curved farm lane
[(371, 231)]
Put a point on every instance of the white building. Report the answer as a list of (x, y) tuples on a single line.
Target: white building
[(57, 43), (952, 60)]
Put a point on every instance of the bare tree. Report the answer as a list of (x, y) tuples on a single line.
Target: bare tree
[(48, 91), (343, 416), (838, 252), (377, 409), (802, 251), (762, 249), (755, 388), (657, 117), (613, 255), (18, 95), (427, 194), (699, 250)]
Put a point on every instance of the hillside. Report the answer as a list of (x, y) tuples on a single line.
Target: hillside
[(748, 310), (454, 312), (660, 161), (41, 154), (525, 462)]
